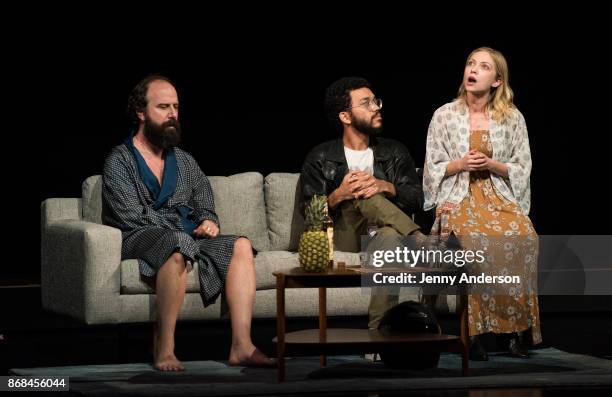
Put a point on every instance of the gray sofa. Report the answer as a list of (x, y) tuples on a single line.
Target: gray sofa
[(83, 276)]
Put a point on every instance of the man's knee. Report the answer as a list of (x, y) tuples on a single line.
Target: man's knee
[(243, 245), (243, 251), (377, 198), (176, 262), (174, 268), (376, 201), (177, 257), (375, 207)]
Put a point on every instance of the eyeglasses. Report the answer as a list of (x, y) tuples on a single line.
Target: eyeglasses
[(372, 104)]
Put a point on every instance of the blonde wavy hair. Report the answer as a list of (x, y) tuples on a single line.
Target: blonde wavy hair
[(500, 104)]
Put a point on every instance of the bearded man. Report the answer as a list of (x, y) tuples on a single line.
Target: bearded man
[(160, 199), (370, 182)]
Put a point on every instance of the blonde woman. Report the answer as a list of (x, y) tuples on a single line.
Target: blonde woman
[(476, 175)]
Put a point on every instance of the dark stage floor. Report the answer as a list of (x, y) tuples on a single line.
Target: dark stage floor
[(33, 338)]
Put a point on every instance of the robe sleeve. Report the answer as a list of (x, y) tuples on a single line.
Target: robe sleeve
[(202, 199)]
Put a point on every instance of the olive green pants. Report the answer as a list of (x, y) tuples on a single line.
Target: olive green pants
[(392, 223)]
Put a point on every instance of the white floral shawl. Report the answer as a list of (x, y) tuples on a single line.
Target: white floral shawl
[(448, 139)]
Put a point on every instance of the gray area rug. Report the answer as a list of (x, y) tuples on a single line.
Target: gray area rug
[(546, 368)]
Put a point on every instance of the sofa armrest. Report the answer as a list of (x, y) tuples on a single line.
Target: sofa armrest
[(58, 209), (80, 270)]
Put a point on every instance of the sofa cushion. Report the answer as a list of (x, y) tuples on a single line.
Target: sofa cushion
[(91, 190), (285, 221), (239, 203), (271, 261)]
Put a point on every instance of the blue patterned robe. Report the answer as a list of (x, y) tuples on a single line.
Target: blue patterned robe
[(157, 221)]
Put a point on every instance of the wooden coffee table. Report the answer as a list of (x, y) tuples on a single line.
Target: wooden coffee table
[(332, 341)]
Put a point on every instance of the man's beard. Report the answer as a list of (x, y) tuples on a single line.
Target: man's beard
[(165, 135), (367, 127)]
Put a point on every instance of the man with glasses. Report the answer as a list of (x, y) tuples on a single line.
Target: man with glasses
[(370, 182)]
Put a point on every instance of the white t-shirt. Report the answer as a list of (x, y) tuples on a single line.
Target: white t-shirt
[(360, 160)]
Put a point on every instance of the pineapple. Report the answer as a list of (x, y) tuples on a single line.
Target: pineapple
[(314, 245)]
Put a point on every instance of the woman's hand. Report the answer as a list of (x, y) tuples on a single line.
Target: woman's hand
[(482, 162), (475, 161), (472, 161)]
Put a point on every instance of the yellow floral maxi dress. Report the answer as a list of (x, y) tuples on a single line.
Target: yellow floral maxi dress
[(486, 221)]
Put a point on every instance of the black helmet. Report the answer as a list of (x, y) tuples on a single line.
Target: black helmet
[(409, 317)]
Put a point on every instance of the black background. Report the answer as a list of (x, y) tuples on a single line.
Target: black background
[(251, 91)]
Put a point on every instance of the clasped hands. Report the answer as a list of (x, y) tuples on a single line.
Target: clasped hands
[(475, 161), (361, 185)]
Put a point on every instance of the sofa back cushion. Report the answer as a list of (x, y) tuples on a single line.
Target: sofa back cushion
[(285, 221), (239, 203)]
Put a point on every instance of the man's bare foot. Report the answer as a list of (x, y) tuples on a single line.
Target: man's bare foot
[(164, 361), (250, 358), (168, 362)]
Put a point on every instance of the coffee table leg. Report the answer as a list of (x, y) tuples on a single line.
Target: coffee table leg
[(323, 321), (465, 334), (280, 325)]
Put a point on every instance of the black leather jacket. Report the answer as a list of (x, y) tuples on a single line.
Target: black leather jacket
[(325, 167)]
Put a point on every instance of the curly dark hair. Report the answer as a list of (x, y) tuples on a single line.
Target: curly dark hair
[(137, 101), (338, 97)]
